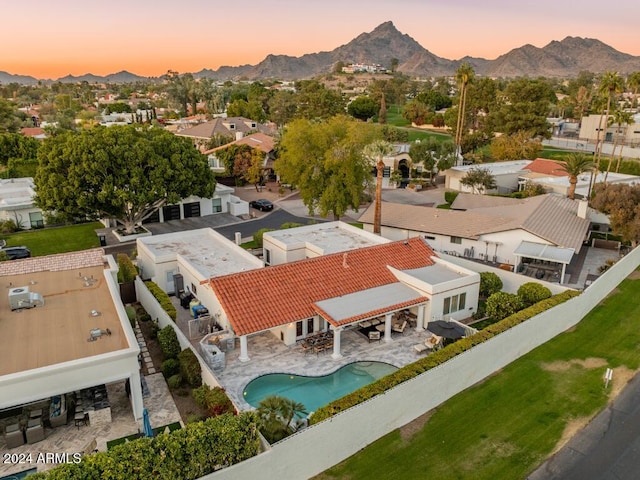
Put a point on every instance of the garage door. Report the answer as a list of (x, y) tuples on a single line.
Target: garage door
[(154, 218), (191, 209), (171, 212)]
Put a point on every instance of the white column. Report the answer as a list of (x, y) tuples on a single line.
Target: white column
[(336, 344), (564, 267), (387, 327), (136, 394), (420, 319), (244, 357)]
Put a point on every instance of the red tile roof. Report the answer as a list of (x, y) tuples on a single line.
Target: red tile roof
[(265, 298), (547, 167)]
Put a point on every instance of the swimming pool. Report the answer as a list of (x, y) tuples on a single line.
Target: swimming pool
[(315, 392)]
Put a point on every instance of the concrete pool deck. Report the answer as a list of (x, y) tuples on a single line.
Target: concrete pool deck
[(268, 354)]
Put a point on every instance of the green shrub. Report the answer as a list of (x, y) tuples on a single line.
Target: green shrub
[(8, 226), (169, 343), (214, 400), (257, 237), (145, 317), (163, 299), (3, 256), (127, 271), (153, 331), (190, 367), (501, 304), (490, 283), (175, 381), (131, 315), (170, 367), (532, 292), (194, 418), (186, 453), (436, 358), (450, 197), (286, 225)]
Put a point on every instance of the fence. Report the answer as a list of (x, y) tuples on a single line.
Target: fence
[(323, 445)]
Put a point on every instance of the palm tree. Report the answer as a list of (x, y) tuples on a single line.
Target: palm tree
[(464, 76), (376, 152), (618, 118), (575, 164), (276, 414), (633, 81), (610, 84)]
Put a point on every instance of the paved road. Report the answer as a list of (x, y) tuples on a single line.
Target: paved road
[(272, 220), (607, 449)]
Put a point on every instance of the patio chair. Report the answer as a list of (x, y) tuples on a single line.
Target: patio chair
[(399, 328), (374, 335)]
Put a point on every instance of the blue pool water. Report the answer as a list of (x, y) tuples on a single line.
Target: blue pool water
[(315, 392)]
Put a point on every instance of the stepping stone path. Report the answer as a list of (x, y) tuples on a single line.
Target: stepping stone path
[(145, 351)]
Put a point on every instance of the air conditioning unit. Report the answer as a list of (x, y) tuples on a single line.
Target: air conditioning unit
[(21, 297)]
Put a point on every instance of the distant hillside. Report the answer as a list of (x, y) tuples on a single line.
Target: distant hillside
[(564, 58)]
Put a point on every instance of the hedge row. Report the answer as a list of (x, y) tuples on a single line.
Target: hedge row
[(169, 343), (214, 400), (189, 453), (436, 358), (190, 367), (127, 271), (162, 298)]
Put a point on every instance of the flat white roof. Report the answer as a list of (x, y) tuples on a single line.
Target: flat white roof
[(544, 252), (369, 302), (330, 237), (434, 274), (497, 168), (16, 192), (206, 250)]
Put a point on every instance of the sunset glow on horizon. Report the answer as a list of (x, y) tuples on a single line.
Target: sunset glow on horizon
[(149, 38)]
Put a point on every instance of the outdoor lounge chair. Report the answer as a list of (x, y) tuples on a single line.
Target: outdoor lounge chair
[(374, 335), (400, 328)]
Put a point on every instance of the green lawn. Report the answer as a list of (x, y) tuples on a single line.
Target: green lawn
[(57, 239), (506, 426), (395, 118)]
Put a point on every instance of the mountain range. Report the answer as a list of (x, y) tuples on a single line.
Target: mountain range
[(565, 58)]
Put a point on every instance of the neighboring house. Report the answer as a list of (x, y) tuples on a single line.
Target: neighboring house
[(506, 175), (65, 329), (593, 124), (492, 229), (222, 202), (233, 127), (258, 140), (353, 276), (35, 132), (399, 160), (560, 183), (17, 203)]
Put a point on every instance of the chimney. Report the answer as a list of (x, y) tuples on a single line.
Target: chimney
[(239, 135), (583, 205), (344, 261)]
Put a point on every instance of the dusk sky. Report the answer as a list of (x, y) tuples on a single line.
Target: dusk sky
[(53, 38)]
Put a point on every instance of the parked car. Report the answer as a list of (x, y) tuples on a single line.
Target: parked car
[(262, 204), (16, 252)]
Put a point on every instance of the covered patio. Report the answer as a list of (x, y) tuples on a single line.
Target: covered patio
[(546, 262)]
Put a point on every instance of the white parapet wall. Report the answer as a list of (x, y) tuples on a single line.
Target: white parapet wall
[(317, 448)]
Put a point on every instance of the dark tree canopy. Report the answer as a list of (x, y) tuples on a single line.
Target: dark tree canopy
[(122, 172), (622, 203), (363, 108)]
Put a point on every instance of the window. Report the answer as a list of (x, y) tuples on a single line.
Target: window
[(36, 220), (267, 257), (310, 326), (299, 329), (454, 303), (193, 289), (216, 204), (456, 240)]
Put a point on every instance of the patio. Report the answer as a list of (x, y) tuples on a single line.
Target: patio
[(71, 439)]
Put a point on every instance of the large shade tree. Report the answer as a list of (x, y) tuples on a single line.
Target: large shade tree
[(324, 160), (621, 202), (479, 179), (121, 172)]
